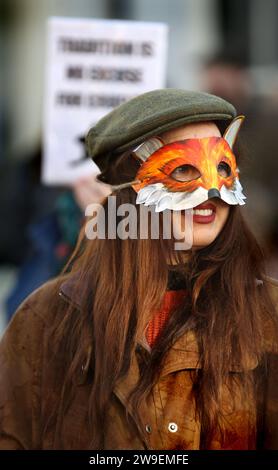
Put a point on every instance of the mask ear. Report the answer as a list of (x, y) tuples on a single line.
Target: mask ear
[(144, 150), (232, 130)]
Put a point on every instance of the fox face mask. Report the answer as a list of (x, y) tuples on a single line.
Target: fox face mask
[(184, 174)]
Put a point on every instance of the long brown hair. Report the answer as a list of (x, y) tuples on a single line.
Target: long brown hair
[(126, 281)]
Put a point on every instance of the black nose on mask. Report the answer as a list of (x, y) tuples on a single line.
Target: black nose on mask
[(213, 192)]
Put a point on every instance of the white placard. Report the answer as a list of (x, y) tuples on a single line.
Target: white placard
[(93, 66)]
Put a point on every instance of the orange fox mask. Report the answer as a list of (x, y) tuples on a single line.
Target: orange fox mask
[(189, 164), (183, 174)]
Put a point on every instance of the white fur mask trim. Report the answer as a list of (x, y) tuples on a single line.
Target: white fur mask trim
[(159, 196)]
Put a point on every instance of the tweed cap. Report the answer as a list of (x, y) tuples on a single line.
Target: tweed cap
[(150, 114)]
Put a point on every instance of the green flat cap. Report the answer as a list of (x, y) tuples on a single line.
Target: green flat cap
[(151, 114)]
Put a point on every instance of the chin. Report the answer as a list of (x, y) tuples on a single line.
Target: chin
[(200, 241)]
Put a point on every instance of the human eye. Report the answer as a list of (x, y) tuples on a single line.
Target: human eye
[(224, 169), (185, 173)]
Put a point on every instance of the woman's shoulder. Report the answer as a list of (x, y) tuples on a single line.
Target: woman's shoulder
[(24, 362), (40, 307)]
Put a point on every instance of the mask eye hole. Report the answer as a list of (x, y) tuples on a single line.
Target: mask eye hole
[(185, 173), (224, 169)]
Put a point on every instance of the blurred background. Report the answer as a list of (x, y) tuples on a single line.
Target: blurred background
[(226, 47)]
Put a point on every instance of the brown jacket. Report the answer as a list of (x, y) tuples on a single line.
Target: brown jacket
[(168, 416)]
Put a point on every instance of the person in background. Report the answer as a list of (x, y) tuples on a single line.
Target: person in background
[(51, 223)]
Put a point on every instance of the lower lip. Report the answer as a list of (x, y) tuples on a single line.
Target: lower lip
[(204, 219)]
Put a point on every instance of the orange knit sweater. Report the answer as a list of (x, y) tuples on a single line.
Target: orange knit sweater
[(172, 299)]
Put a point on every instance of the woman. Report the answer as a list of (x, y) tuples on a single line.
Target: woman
[(141, 345)]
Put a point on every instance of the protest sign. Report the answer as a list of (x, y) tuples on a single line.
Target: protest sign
[(93, 66)]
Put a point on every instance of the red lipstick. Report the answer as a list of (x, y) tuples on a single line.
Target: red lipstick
[(205, 217)]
